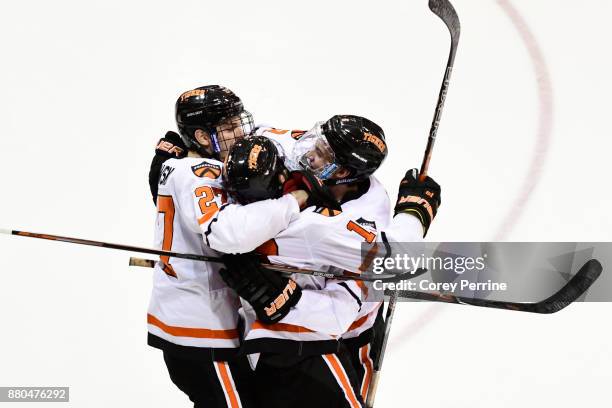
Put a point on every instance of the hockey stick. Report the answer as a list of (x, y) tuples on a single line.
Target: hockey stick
[(149, 263), (569, 293), (279, 268), (446, 12)]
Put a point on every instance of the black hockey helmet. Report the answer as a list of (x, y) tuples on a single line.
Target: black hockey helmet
[(254, 170), (358, 144), (344, 141), (207, 108)]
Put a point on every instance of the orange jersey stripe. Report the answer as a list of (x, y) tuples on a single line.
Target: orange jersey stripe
[(231, 395), (343, 381), (358, 323), (192, 332), (207, 216), (281, 327)]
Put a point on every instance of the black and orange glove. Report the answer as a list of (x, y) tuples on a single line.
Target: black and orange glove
[(419, 198), (271, 294), (318, 193), (169, 146)]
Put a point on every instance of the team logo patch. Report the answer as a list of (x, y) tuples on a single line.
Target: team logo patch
[(327, 212), (366, 224), (375, 140), (207, 169)]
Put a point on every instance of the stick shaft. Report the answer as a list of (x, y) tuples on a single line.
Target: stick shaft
[(445, 10), (383, 347), (433, 131), (204, 258)]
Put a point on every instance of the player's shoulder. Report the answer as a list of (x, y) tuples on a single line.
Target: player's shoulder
[(274, 133), (375, 195), (371, 209), (192, 170)]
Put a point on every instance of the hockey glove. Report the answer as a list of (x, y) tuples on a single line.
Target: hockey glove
[(318, 193), (420, 199), (169, 146), (269, 293)]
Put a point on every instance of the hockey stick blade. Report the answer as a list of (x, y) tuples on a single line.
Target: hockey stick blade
[(568, 294), (576, 287), (149, 263), (445, 10)]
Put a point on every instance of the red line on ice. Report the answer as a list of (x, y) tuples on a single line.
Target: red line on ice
[(538, 157)]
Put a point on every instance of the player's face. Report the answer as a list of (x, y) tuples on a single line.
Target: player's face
[(319, 156), (230, 130)]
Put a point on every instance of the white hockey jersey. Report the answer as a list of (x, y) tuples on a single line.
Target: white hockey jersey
[(190, 304)]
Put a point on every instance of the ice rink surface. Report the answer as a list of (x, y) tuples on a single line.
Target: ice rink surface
[(523, 154)]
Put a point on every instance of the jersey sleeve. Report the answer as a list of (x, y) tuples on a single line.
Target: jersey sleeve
[(404, 228), (330, 310), (237, 229)]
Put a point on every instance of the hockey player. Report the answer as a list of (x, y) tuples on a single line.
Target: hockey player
[(344, 151), (193, 315), (312, 150)]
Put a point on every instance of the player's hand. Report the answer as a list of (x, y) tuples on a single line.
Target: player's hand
[(420, 199), (318, 193), (169, 146), (269, 293), (301, 197)]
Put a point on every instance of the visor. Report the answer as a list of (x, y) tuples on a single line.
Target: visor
[(313, 153)]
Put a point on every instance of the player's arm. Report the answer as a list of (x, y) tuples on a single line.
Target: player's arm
[(237, 229), (169, 146), (352, 248)]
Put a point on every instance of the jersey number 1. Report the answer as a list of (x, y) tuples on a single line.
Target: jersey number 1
[(367, 235)]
